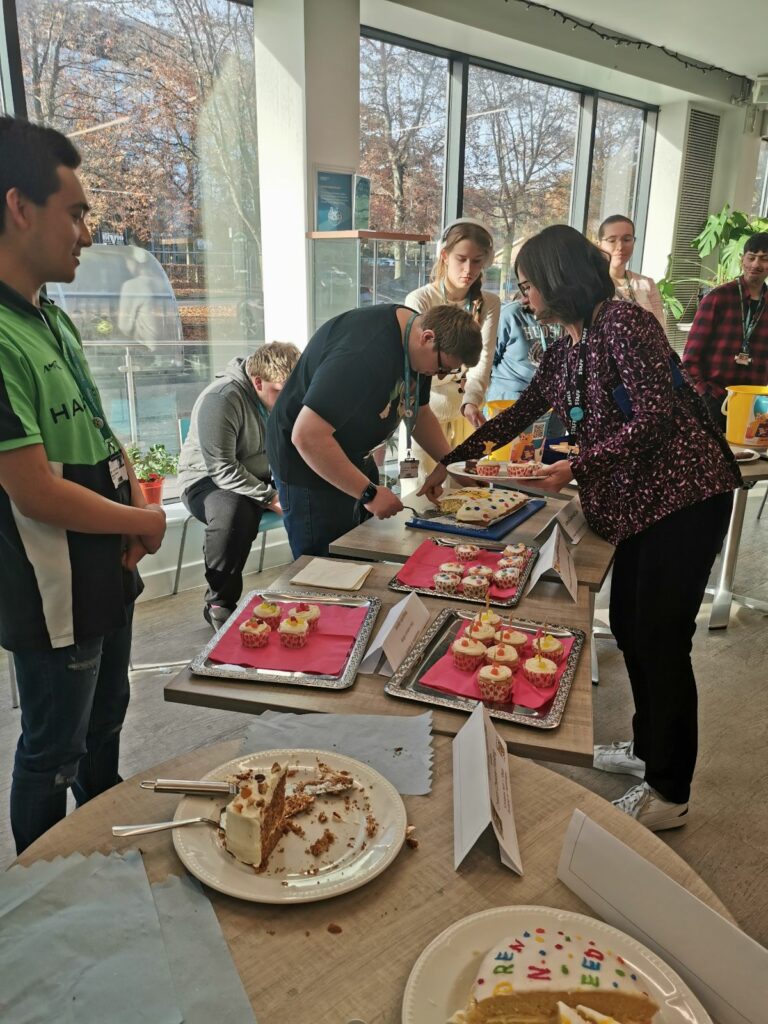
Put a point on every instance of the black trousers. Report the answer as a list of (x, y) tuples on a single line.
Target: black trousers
[(231, 525), (659, 578)]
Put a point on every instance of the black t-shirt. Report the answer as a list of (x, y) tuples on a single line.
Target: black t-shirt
[(351, 374)]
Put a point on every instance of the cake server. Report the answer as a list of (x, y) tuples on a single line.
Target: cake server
[(202, 787)]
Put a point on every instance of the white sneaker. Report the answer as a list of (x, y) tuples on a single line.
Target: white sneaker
[(619, 757), (646, 806)]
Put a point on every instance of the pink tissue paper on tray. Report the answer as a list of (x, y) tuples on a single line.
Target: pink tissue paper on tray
[(428, 557), (324, 653)]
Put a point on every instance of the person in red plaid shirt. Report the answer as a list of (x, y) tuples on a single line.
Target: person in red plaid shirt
[(728, 340)]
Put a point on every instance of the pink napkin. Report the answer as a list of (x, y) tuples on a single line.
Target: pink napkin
[(444, 675), (428, 557), (324, 653)]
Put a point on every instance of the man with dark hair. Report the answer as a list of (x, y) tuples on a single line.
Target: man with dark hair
[(358, 376), (728, 341), (73, 524)]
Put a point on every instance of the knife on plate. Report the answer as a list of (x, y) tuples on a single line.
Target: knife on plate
[(202, 787)]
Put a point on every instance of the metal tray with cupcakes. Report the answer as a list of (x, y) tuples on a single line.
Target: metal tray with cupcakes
[(521, 670), (467, 571)]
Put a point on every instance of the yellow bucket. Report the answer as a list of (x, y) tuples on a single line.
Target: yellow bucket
[(746, 409), (493, 408)]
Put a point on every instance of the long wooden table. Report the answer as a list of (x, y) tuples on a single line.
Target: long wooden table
[(292, 968), (390, 540), (571, 742)]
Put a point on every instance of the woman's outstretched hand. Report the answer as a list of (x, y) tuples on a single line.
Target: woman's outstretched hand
[(555, 476), (433, 485)]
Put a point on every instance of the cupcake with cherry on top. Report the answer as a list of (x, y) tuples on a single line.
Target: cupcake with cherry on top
[(482, 631), (254, 633), (309, 613), (267, 611), (503, 654), (495, 682), (293, 632), (468, 654)]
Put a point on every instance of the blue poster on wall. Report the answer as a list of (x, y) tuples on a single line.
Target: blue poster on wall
[(334, 201)]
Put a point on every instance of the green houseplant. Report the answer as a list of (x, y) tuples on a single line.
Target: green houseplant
[(151, 467)]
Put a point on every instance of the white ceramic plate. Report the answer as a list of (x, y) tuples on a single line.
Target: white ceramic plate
[(352, 860), (442, 977), (458, 469), (746, 455)]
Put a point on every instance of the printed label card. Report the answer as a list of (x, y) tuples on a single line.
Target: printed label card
[(555, 557), (403, 623)]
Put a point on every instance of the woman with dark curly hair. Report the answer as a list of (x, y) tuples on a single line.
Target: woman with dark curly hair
[(655, 478)]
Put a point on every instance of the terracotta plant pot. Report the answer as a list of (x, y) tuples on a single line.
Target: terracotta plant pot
[(152, 490)]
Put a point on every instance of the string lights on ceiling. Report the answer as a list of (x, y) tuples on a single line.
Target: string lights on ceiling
[(630, 43)]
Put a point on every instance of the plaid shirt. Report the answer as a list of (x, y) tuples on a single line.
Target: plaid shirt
[(715, 340)]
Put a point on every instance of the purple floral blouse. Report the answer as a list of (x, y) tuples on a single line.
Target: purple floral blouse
[(631, 473)]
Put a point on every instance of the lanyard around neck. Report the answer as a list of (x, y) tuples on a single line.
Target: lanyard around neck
[(410, 401), (575, 396), (630, 289), (467, 301), (748, 318)]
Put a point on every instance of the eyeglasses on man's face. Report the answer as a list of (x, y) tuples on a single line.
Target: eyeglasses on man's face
[(613, 240)]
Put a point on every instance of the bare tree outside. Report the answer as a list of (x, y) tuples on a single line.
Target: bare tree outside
[(615, 161)]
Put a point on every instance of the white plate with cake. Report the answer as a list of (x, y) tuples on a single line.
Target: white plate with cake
[(522, 960), (304, 825), (492, 472)]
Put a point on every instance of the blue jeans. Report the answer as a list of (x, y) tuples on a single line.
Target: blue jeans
[(73, 703)]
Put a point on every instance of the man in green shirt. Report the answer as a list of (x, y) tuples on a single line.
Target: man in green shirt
[(73, 524)]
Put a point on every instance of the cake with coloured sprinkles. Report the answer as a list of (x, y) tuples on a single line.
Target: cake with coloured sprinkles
[(446, 582), (254, 821), (454, 568), (512, 550), (480, 570), (475, 587), (268, 612), (506, 578), (293, 632), (524, 977), (309, 613), (254, 633), (466, 552)]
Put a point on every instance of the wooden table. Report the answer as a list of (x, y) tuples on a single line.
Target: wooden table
[(390, 540), (292, 968), (571, 742), (720, 612)]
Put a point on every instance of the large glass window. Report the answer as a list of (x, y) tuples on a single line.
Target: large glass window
[(159, 96), (615, 161), (519, 156)]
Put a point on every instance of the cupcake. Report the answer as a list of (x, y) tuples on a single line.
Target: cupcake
[(495, 682), (490, 617), (503, 654), (308, 613), (511, 562), (293, 632), (488, 468), (268, 612), (452, 568), (446, 582), (480, 570), (468, 654), (550, 647), (475, 587), (254, 633), (540, 672), (506, 578), (511, 550), (513, 637), (482, 631), (466, 552)]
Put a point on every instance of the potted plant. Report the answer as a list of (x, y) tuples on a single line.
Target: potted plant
[(151, 468)]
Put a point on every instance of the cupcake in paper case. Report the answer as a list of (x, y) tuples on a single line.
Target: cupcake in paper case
[(511, 562), (293, 632), (254, 633), (475, 587), (540, 672), (309, 613), (480, 570), (453, 568), (482, 631), (491, 618), (550, 647), (488, 468), (495, 682), (513, 637), (446, 582), (514, 550), (506, 578), (466, 552), (503, 654), (468, 654), (267, 611)]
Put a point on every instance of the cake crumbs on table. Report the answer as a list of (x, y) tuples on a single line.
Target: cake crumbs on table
[(334, 929)]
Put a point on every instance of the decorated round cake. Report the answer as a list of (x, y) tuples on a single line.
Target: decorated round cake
[(524, 976), (254, 633)]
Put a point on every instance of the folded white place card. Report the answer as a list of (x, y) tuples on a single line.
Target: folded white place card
[(726, 969), (332, 574), (555, 556), (482, 791), (403, 623), (571, 520)]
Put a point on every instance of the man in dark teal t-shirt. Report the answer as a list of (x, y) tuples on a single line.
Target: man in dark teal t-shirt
[(73, 524)]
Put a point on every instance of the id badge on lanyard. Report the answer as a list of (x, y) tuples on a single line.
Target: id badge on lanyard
[(118, 470)]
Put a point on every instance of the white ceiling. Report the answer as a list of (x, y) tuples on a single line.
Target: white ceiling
[(730, 35)]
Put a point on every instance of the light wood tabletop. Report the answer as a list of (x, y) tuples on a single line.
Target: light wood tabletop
[(294, 969), (570, 743), (390, 540)]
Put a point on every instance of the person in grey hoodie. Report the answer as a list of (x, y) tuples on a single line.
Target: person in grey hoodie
[(223, 469)]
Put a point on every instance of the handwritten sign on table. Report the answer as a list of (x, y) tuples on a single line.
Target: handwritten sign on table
[(555, 556), (482, 791), (403, 623)]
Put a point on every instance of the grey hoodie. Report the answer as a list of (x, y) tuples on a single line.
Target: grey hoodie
[(226, 439)]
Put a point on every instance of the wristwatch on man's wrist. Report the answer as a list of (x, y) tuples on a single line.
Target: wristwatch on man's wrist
[(368, 494)]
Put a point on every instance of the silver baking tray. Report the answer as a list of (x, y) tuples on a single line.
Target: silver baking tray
[(203, 666), (497, 602), (435, 641)]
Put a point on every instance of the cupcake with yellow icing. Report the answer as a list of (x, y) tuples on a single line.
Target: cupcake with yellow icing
[(549, 646), (293, 632), (267, 611), (254, 633), (468, 654), (540, 672), (495, 682), (309, 613)]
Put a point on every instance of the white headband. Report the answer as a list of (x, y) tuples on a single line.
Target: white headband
[(461, 220)]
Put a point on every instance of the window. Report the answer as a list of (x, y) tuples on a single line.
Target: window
[(520, 145), (760, 195), (158, 95), (615, 161)]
